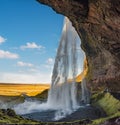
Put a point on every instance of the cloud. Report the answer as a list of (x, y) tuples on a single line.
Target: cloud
[(48, 66), (8, 55), (33, 70), (25, 78), (24, 64), (2, 39), (31, 45), (50, 61)]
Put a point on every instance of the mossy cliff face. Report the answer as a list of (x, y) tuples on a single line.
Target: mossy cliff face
[(98, 25)]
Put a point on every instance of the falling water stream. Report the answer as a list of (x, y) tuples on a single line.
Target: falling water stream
[(63, 88), (62, 97), (65, 70), (63, 93)]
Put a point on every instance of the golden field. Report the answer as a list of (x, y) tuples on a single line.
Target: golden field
[(8, 89)]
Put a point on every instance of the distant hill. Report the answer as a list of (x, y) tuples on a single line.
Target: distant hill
[(43, 95)]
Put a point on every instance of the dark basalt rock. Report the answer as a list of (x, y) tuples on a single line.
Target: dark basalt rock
[(98, 25), (10, 112)]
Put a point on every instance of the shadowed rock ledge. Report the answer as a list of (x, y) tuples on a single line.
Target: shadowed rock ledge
[(98, 25)]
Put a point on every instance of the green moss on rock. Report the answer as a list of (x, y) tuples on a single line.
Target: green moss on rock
[(107, 102)]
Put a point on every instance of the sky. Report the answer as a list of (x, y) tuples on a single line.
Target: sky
[(29, 36)]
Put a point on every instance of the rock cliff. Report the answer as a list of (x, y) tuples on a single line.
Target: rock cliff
[(98, 25)]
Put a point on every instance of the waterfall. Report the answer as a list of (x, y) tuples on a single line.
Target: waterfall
[(62, 94), (85, 99)]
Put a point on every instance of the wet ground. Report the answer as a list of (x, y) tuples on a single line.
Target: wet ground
[(86, 112)]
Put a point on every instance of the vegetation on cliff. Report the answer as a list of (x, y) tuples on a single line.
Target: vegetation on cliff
[(109, 104)]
